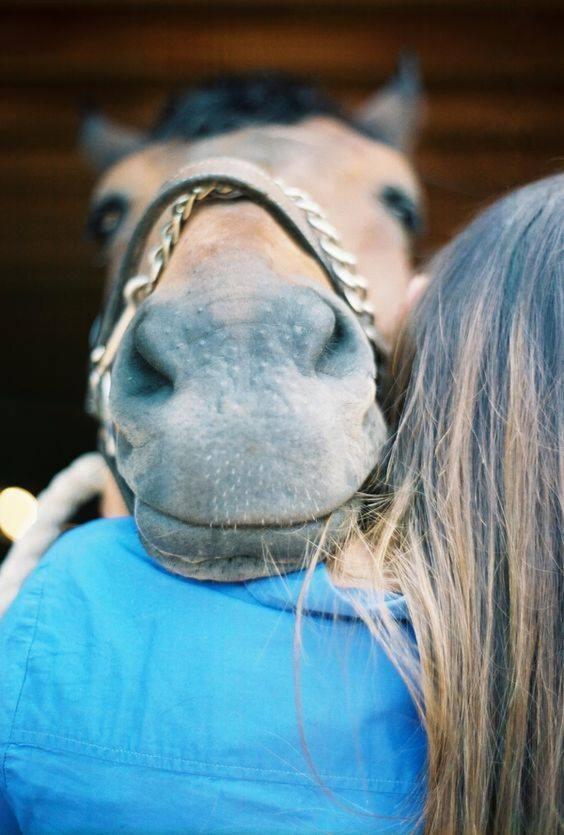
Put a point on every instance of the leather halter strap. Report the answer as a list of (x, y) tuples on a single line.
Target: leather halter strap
[(222, 178), (252, 183)]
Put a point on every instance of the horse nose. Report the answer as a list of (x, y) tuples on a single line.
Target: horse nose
[(230, 402), (243, 336)]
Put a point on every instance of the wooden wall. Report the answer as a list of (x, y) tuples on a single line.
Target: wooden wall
[(493, 72)]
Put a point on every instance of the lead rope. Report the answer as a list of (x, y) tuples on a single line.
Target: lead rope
[(67, 492)]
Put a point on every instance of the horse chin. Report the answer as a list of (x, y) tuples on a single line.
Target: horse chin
[(237, 553)]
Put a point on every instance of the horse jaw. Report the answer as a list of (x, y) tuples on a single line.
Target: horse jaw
[(236, 554)]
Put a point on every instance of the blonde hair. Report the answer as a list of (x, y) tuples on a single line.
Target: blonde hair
[(469, 522)]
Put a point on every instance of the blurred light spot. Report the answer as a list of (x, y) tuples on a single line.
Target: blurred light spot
[(18, 511)]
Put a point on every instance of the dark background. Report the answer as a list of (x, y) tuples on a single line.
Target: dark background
[(494, 78)]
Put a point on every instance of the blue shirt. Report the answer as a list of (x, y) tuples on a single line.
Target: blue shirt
[(133, 700)]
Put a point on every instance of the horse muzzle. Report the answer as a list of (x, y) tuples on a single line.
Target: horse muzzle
[(245, 411)]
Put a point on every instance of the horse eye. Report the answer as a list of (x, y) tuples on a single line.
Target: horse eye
[(106, 217), (402, 207)]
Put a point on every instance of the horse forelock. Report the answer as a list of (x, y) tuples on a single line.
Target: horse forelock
[(230, 102)]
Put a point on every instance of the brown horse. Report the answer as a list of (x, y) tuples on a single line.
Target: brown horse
[(243, 392)]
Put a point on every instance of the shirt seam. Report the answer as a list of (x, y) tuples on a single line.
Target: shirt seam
[(232, 771), (24, 677)]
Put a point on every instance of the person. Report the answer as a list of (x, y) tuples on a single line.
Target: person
[(467, 518), (408, 684)]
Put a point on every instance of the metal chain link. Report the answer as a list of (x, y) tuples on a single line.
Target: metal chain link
[(353, 286)]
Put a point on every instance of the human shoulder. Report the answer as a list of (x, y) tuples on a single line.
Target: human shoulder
[(93, 553), (77, 568), (95, 540)]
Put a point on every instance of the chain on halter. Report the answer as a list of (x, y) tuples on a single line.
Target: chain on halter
[(352, 286)]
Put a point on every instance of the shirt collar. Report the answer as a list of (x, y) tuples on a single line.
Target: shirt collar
[(322, 598)]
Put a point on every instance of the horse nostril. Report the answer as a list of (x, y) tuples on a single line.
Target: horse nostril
[(339, 353), (146, 376)]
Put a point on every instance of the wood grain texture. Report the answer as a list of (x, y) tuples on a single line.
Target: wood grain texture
[(495, 119), (260, 5), (177, 44)]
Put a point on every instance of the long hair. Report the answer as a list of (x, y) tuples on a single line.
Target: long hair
[(469, 522)]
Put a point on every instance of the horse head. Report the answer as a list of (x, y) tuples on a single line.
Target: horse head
[(237, 365)]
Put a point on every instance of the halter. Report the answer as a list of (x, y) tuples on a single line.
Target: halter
[(219, 178)]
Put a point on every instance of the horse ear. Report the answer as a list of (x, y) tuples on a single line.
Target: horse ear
[(104, 142), (394, 113)]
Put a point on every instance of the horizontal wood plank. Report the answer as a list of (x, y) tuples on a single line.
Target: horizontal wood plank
[(185, 42), (49, 118), (258, 6)]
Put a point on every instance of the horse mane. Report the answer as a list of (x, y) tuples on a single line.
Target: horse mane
[(229, 102)]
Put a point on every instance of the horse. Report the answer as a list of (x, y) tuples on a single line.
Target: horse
[(236, 364)]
